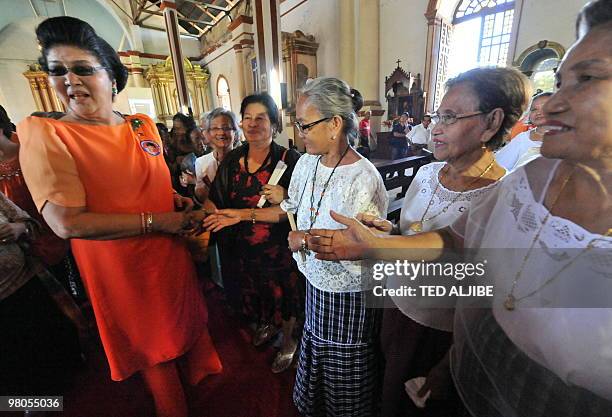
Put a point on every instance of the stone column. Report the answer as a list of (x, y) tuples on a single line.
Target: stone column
[(367, 70), (266, 15), (174, 42), (347, 41), (242, 35)]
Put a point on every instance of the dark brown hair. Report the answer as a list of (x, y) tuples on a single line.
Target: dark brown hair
[(504, 88)]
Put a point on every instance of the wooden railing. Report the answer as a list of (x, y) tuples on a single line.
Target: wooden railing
[(395, 176)]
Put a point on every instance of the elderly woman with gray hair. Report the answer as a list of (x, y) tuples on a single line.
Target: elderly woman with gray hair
[(339, 362), (221, 128)]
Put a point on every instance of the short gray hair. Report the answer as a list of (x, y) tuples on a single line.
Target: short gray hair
[(220, 111), (204, 120), (333, 97)]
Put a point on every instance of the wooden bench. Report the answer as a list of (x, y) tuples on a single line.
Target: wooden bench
[(394, 176)]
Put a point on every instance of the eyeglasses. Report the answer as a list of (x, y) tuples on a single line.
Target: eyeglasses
[(80, 70), (304, 128), (450, 118), (225, 129)]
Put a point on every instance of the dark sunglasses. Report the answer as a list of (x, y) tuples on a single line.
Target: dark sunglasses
[(80, 70)]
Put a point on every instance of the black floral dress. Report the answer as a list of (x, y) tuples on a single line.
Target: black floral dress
[(259, 274)]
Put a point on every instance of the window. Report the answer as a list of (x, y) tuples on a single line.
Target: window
[(544, 74), (223, 93), (481, 34)]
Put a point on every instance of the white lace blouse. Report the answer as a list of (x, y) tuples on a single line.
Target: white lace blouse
[(353, 189), (555, 321), (446, 207)]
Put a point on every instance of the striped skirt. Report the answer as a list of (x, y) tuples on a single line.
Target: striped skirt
[(340, 364)]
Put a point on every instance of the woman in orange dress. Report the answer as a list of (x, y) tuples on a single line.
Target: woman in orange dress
[(99, 178)]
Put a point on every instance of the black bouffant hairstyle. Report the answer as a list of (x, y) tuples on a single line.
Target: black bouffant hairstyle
[(66, 30)]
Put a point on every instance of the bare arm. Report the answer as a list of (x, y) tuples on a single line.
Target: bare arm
[(77, 222), (357, 241), (228, 217), (201, 192)]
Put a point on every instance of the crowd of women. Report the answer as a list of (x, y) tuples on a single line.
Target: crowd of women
[(292, 232)]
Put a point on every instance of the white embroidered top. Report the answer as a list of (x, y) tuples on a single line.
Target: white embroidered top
[(446, 207), (353, 189), (518, 152), (558, 274)]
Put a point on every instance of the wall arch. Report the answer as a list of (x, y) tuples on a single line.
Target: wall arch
[(535, 54), (223, 92)]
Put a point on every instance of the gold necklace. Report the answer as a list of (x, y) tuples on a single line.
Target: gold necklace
[(511, 299), (417, 226)]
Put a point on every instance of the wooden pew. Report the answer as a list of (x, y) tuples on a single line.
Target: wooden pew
[(394, 176)]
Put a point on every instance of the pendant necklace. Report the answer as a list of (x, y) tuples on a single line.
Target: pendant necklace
[(314, 212), (511, 300), (417, 226)]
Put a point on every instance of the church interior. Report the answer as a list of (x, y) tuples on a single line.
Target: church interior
[(248, 327)]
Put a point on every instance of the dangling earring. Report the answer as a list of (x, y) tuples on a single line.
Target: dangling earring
[(483, 147), (114, 90)]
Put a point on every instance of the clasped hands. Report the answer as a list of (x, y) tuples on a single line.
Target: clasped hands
[(354, 242)]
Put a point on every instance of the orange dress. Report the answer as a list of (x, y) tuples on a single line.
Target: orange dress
[(144, 291)]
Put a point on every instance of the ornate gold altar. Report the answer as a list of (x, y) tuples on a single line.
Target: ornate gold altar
[(163, 87), (44, 96)]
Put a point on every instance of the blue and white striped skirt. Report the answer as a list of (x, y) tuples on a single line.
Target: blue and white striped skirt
[(340, 363)]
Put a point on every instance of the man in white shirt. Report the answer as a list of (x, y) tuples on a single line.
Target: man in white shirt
[(420, 135)]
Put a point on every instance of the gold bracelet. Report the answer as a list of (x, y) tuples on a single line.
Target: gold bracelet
[(149, 223), (253, 215), (143, 225)]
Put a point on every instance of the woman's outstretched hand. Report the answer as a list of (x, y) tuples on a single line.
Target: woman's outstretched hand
[(221, 219), (352, 243)]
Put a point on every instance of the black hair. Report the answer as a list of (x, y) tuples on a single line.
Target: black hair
[(187, 121), (70, 31), (594, 13), (6, 125), (271, 109), (356, 99), (161, 127), (504, 88)]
